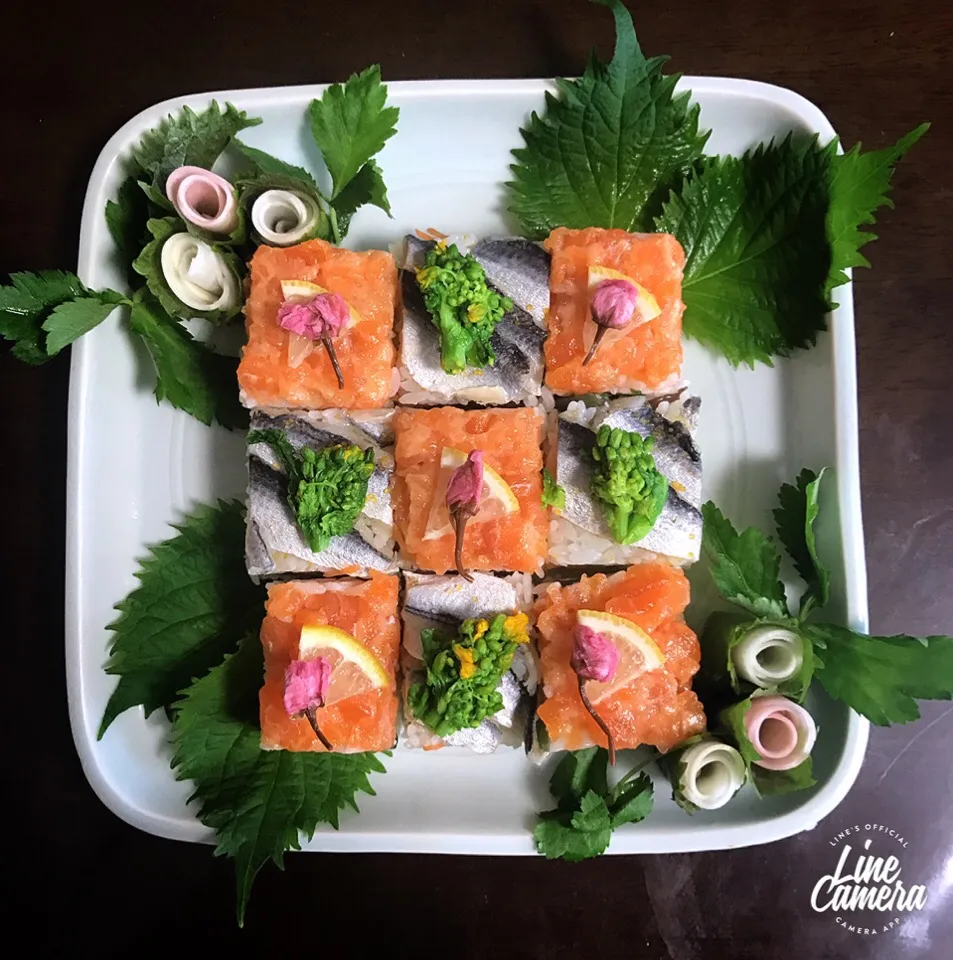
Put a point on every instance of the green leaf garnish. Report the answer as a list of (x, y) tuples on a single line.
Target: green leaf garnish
[(766, 782), (264, 164), (609, 147), (464, 671), (757, 258), (627, 484), (327, 488), (553, 494), (46, 311), (587, 809), (149, 265), (190, 375), (350, 123), (189, 139), (746, 566), (257, 801), (193, 603), (70, 320), (795, 521), (882, 677), (859, 186), (126, 218)]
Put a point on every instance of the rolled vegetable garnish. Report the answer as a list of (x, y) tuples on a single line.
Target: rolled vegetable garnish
[(203, 199), (322, 318), (284, 217), (781, 731), (768, 654), (594, 657), (464, 494), (705, 774), (197, 275), (306, 686)]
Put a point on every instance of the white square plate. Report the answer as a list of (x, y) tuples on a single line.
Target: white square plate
[(135, 466)]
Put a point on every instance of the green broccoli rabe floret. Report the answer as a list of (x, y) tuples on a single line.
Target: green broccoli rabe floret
[(627, 484), (464, 671), (553, 494), (327, 488), (462, 307)]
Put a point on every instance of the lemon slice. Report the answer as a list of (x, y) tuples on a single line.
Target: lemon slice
[(638, 652), (301, 291), (354, 669), (498, 497), (646, 306)]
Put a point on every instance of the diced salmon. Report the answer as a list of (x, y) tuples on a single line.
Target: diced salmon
[(511, 442), (365, 351), (366, 609), (659, 707), (640, 357)]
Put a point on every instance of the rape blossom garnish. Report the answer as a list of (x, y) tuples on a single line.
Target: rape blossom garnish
[(322, 318), (464, 493), (594, 657), (306, 686), (612, 305)]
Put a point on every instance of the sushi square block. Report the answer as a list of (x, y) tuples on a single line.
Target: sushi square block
[(274, 543), (440, 605), (515, 268), (649, 700), (282, 368), (353, 625), (509, 532), (578, 533), (645, 355)]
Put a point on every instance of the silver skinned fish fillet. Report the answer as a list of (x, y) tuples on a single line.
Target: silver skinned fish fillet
[(274, 543), (516, 268), (579, 534), (432, 601)]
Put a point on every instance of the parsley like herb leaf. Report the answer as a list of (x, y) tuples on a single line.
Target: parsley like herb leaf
[(126, 218), (350, 123), (882, 677), (366, 187), (193, 602), (257, 801), (795, 521), (70, 320), (264, 164), (189, 139), (190, 375), (587, 810), (609, 147), (575, 835), (44, 312), (753, 229), (860, 184), (746, 566)]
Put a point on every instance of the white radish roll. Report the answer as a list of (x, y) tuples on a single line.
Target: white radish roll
[(282, 217), (198, 275), (712, 773), (768, 655)]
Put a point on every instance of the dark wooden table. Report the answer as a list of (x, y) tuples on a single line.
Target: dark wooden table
[(76, 875)]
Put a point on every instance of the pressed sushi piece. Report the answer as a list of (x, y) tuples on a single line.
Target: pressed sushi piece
[(649, 700), (645, 354), (353, 625), (578, 532), (444, 618), (509, 530), (286, 362), (515, 268), (274, 542)]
